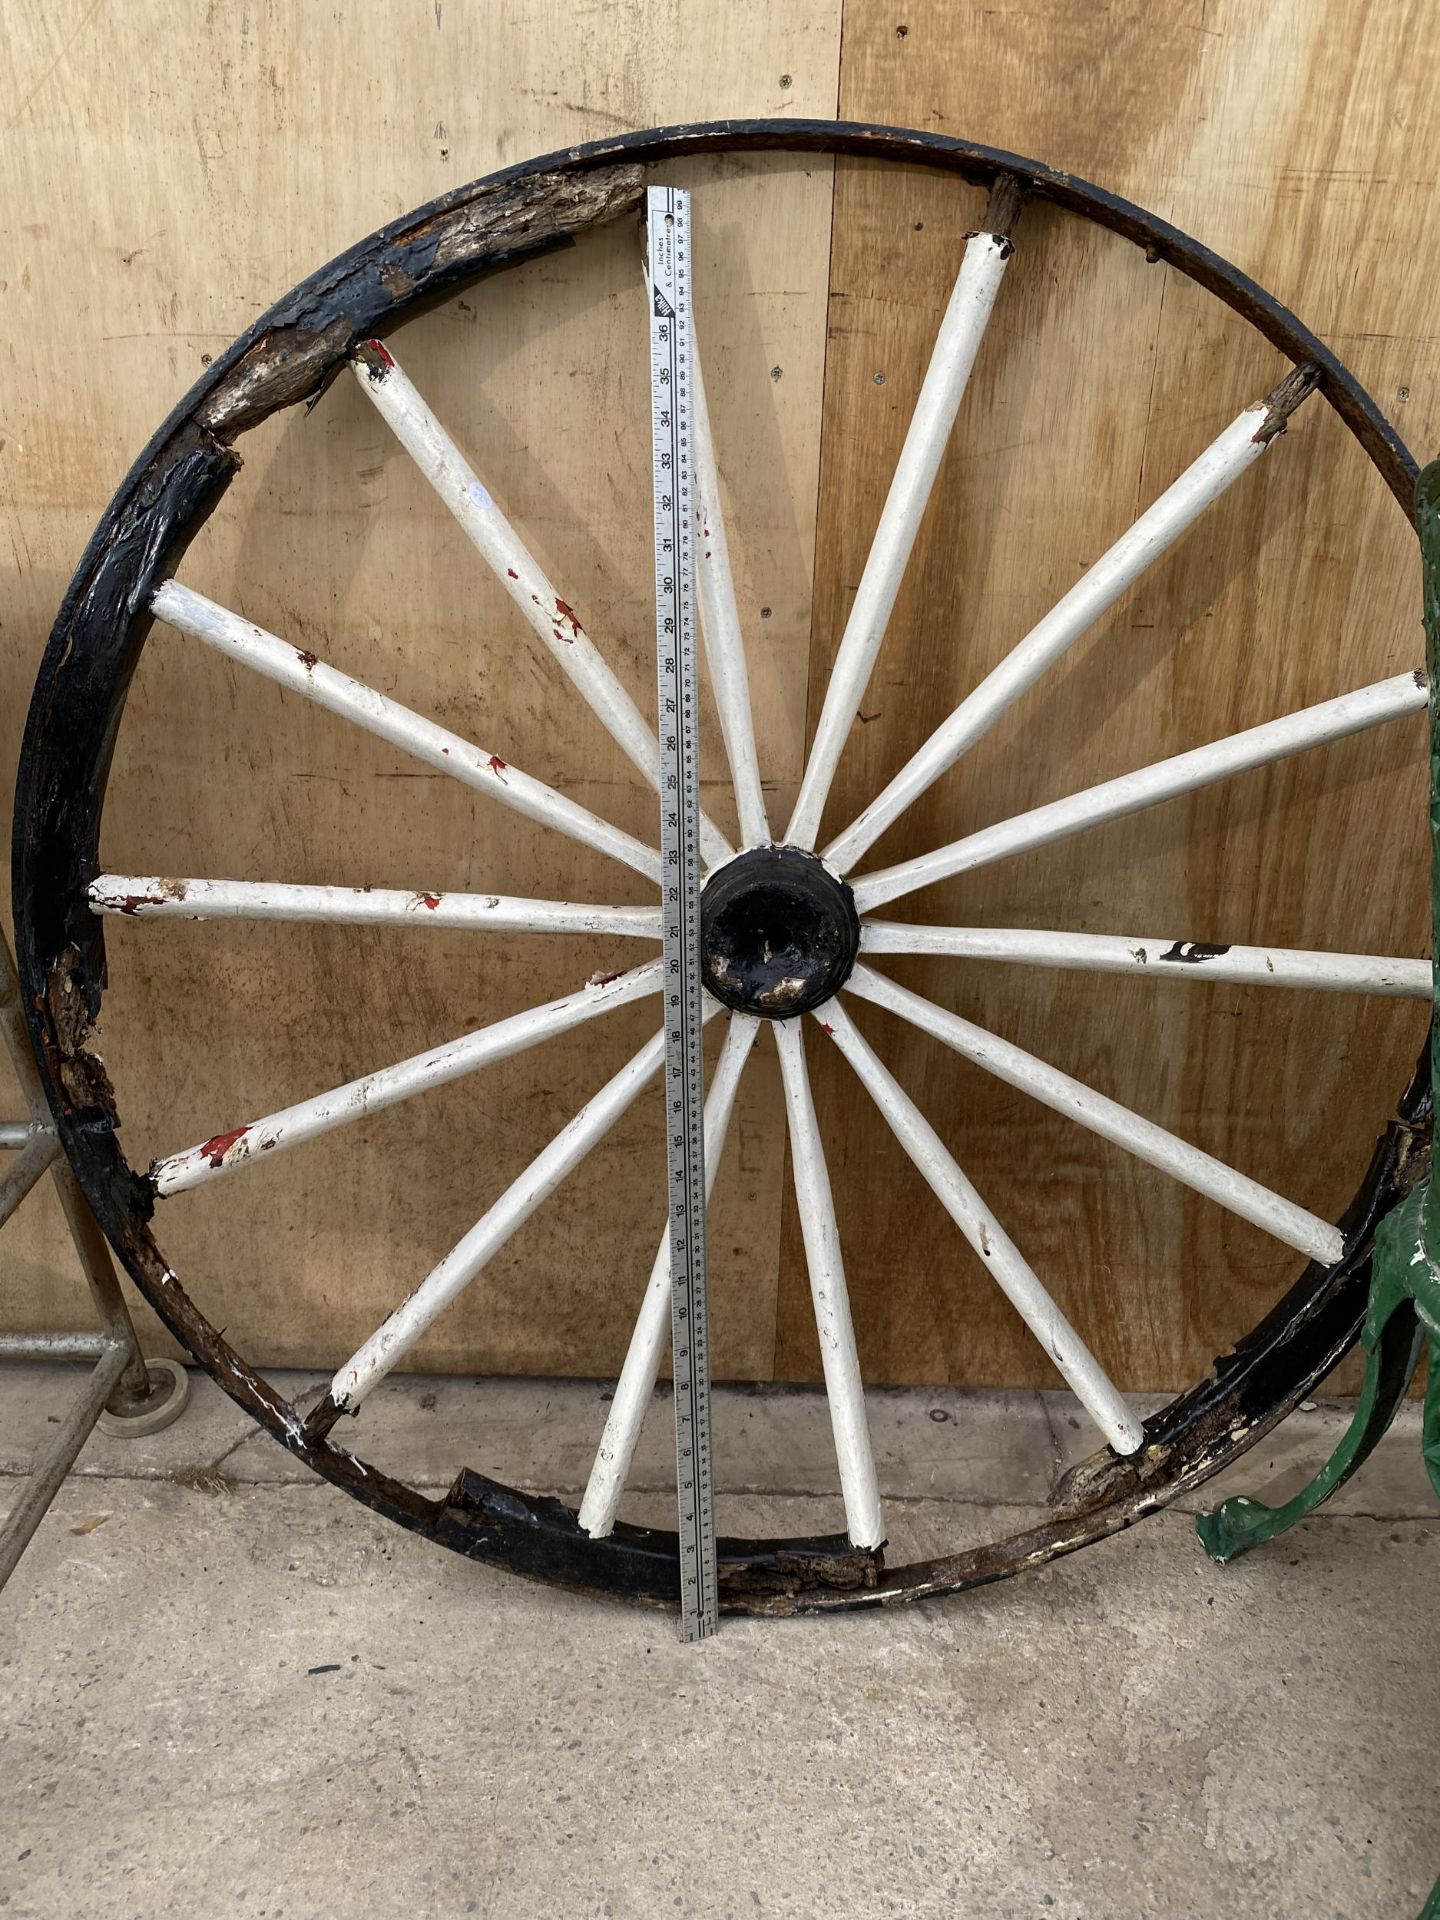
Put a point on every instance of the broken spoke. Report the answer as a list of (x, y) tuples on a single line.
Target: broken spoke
[(720, 624)]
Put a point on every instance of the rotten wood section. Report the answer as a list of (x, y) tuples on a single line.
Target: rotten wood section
[(445, 248)]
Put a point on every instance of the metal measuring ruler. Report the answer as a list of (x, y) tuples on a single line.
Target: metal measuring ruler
[(677, 677)]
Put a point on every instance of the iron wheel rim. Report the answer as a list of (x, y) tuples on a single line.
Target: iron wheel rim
[(287, 357)]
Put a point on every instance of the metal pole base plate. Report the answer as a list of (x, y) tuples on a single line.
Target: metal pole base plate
[(171, 1384)]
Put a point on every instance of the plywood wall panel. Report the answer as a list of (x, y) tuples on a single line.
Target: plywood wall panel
[(1101, 379), (165, 182), (175, 180)]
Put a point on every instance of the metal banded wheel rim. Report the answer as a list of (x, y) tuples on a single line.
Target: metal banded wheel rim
[(128, 576)]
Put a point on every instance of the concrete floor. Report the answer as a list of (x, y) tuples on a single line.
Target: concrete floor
[(225, 1689)]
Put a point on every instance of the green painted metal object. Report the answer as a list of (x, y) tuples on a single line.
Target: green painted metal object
[(1403, 1316)]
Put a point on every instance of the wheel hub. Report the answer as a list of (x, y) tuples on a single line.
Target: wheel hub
[(779, 933)]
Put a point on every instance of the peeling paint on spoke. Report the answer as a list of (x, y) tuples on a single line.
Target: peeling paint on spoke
[(1192, 1166), (816, 1206), (1158, 957), (651, 1336), (156, 897), (512, 563), (998, 1253), (1238, 753), (394, 1338), (1153, 534), (943, 388), (238, 1147), (300, 672)]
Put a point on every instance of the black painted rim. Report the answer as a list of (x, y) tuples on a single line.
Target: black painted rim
[(288, 356)]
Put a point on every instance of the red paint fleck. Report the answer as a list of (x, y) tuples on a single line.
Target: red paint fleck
[(381, 353), (430, 900), (601, 979), (512, 573), (497, 765), (133, 902), (307, 660), (827, 1026), (568, 613), (215, 1150)]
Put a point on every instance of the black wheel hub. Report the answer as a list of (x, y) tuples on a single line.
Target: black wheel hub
[(779, 933)]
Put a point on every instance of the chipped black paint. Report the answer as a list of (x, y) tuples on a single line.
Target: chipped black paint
[(288, 357), (1191, 953), (542, 1538)]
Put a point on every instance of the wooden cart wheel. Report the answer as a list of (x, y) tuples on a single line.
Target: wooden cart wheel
[(798, 925)]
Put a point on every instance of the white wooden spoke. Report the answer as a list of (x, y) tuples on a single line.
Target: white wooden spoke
[(1165, 780), (1148, 1142), (1016, 1278), (514, 566), (720, 625), (1158, 528), (636, 1384), (15, 1135), (956, 346), (238, 1147), (397, 1334), (157, 897), (816, 1206), (1158, 958), (299, 671)]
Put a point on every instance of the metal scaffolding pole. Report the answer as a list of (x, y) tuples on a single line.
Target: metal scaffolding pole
[(124, 1393)]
